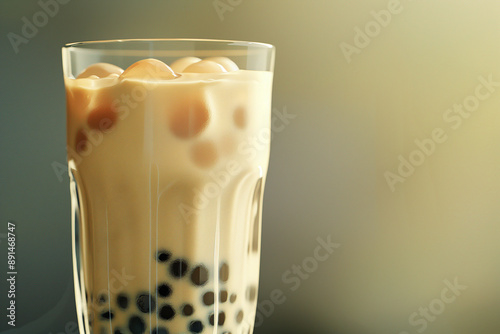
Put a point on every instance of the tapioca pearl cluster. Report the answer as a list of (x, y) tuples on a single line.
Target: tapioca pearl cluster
[(198, 275), (188, 118), (192, 117), (101, 116), (187, 121), (144, 303)]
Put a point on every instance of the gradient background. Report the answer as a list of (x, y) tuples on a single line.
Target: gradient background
[(326, 165)]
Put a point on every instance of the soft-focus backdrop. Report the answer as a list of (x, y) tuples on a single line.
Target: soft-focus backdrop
[(362, 82)]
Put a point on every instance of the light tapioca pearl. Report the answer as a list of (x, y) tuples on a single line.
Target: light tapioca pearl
[(180, 64), (204, 154), (208, 298), (100, 70), (232, 298), (224, 272), (223, 296), (199, 276), (239, 316), (240, 117), (81, 142), (205, 66), (227, 63), (102, 118), (149, 69), (187, 310), (189, 119)]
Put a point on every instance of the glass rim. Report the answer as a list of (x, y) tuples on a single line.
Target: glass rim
[(215, 41)]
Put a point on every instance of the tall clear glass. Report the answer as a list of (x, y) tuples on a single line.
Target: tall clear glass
[(168, 148)]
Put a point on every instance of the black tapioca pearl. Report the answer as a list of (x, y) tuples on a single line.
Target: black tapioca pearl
[(101, 299), (239, 317), (146, 303), (107, 315), (232, 299), (224, 272), (136, 325), (122, 301), (223, 296), (199, 276), (160, 330), (166, 312), (178, 268), (187, 310), (164, 290), (220, 320), (196, 326), (118, 331), (251, 293), (163, 256), (208, 298)]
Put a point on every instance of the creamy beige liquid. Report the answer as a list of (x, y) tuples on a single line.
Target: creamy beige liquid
[(170, 177)]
